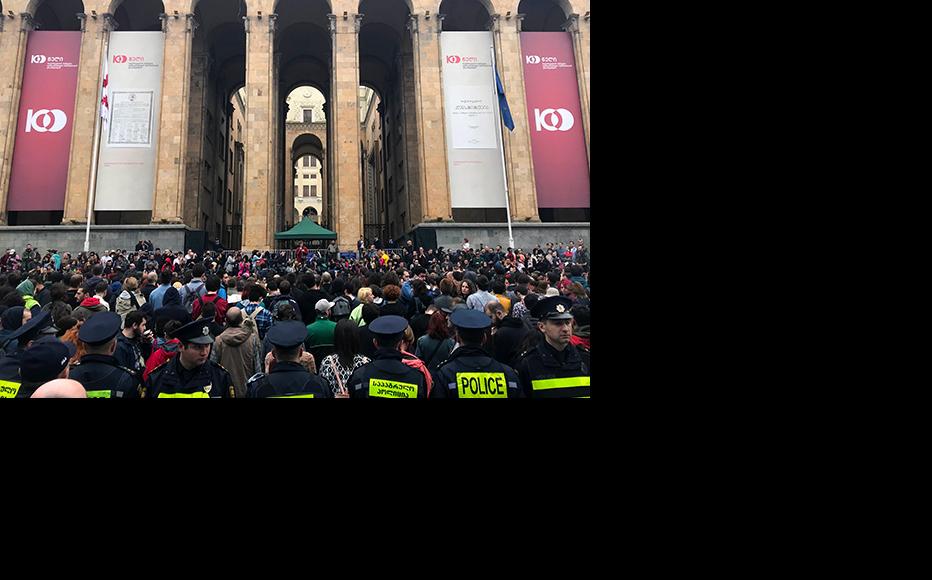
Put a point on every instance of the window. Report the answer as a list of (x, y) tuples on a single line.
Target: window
[(314, 190), (308, 115), (307, 161), (313, 161), (307, 176), (219, 191), (295, 190), (307, 190)]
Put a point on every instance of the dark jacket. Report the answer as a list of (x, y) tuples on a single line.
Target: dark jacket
[(547, 373), (172, 380), (286, 379), (507, 339), (103, 377), (129, 354), (387, 377), (470, 373)]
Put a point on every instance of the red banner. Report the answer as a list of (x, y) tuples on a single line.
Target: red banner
[(43, 130), (558, 145)]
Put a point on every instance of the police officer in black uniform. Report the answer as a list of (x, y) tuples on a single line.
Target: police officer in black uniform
[(98, 370), (386, 376), (191, 374), (10, 379), (470, 372), (45, 360), (554, 368), (288, 377)]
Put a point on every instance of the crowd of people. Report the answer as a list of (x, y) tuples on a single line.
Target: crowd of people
[(379, 322)]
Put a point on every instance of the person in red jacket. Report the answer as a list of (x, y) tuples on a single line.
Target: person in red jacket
[(165, 348), (213, 286)]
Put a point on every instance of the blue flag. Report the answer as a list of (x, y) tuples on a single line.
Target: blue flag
[(503, 104)]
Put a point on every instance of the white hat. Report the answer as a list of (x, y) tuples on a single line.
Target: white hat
[(552, 291), (323, 305)]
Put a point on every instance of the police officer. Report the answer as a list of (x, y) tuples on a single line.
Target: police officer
[(386, 376), (288, 378), (554, 368), (10, 379), (98, 370), (191, 374), (470, 372), (45, 360)]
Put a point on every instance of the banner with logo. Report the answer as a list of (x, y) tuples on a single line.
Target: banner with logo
[(471, 120), (558, 146), (127, 164), (39, 173)]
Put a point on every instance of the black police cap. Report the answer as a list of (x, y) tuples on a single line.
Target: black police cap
[(287, 333), (30, 330), (197, 332), (45, 359), (470, 319), (388, 325), (100, 328), (553, 308)]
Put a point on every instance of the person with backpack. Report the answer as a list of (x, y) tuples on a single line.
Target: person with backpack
[(212, 295), (130, 299), (194, 288)]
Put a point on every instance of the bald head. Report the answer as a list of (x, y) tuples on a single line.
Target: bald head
[(234, 316), (60, 389)]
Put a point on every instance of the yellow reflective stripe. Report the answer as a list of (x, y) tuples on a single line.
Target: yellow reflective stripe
[(9, 389), (199, 395), (586, 397), (98, 394), (543, 385), (308, 396)]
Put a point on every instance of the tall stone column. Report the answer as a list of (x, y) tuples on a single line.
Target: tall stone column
[(173, 124), (412, 153), (344, 117), (258, 205), (12, 62), (580, 33), (519, 164), (278, 132), (192, 192), (432, 151), (87, 107)]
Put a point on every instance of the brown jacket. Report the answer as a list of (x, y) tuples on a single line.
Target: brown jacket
[(239, 351)]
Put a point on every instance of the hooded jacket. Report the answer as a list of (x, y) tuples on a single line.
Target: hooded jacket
[(124, 303), (88, 307), (239, 351)]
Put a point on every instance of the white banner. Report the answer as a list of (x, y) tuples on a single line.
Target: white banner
[(126, 170), (471, 120)]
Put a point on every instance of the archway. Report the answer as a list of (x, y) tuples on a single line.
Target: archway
[(58, 15), (303, 52), (307, 173), (216, 121), (466, 15), (389, 159), (544, 15), (137, 15)]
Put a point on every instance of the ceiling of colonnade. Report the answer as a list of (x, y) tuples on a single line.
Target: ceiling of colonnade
[(220, 31), (302, 37), (466, 15), (380, 36)]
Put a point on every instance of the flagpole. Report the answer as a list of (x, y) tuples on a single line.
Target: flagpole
[(511, 239), (91, 194)]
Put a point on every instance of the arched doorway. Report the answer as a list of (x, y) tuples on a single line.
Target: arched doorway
[(216, 154), (389, 160), (303, 57), (309, 175)]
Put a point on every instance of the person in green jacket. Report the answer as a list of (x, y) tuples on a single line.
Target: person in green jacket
[(320, 332), (27, 288)]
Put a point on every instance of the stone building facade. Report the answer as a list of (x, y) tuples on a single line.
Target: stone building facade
[(224, 169)]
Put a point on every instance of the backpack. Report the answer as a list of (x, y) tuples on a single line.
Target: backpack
[(189, 297)]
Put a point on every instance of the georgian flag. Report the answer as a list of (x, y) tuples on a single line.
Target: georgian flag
[(105, 94)]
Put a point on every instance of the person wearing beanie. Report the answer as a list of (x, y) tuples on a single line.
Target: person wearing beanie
[(12, 319)]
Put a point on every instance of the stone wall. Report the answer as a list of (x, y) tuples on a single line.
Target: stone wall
[(527, 235), (103, 238)]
